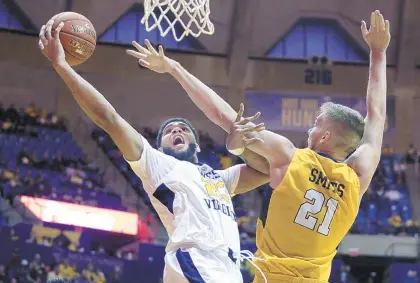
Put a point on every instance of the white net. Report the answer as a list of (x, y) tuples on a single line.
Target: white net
[(192, 15)]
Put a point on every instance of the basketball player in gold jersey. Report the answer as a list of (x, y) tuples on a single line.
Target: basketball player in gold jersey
[(317, 190)]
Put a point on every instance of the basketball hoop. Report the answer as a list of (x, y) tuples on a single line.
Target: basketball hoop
[(192, 15)]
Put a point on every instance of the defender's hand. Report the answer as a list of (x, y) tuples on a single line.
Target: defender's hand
[(237, 139), (150, 58), (50, 45), (378, 36)]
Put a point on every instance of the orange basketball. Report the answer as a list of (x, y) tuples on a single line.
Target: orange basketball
[(78, 37)]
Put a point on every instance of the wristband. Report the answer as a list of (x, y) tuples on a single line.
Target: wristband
[(237, 151)]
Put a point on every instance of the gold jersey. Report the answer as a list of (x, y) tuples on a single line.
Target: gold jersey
[(304, 219)]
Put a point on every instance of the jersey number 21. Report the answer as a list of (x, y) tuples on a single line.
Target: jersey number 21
[(313, 206)]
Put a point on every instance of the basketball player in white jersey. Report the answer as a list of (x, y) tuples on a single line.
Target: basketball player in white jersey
[(192, 200)]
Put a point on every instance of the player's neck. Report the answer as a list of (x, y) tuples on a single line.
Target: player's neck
[(337, 157)]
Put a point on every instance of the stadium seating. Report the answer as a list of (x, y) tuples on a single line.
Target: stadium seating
[(386, 207), (41, 158)]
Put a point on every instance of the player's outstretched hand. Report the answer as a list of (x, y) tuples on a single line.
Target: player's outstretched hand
[(237, 138), (378, 36), (150, 58), (50, 45)]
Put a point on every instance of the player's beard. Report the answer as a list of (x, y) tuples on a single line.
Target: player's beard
[(184, 155)]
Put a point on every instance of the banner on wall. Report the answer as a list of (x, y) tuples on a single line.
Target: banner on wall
[(297, 112), (82, 215)]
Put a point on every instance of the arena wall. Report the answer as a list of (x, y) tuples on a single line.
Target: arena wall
[(145, 98)]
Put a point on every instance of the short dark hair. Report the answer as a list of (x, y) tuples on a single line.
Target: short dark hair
[(171, 120)]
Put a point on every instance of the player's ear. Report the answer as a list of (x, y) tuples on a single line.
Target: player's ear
[(197, 148), (326, 136)]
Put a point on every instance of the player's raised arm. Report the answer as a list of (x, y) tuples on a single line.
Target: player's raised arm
[(94, 104), (275, 148), (366, 158)]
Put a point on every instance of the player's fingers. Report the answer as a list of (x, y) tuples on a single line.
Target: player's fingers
[(240, 113), (381, 22), (150, 47), (247, 120), (42, 36), (252, 118), (140, 48), (144, 63), (364, 28), (48, 29), (40, 45), (372, 21), (135, 54), (57, 30), (377, 21), (161, 53), (250, 141), (257, 128), (387, 26)]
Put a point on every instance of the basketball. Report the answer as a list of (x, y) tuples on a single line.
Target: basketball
[(78, 37)]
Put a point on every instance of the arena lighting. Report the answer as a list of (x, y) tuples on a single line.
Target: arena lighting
[(82, 215)]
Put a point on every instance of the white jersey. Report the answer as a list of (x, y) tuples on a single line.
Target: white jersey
[(192, 200)]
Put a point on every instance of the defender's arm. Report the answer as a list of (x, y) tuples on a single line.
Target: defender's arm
[(366, 158), (275, 148)]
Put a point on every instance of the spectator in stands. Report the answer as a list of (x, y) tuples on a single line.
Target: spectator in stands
[(393, 195), (116, 276), (4, 277), (79, 196), (412, 154), (53, 194), (54, 273), (13, 235), (344, 273), (411, 277), (37, 269), (83, 278), (387, 150), (396, 223), (90, 273), (66, 196), (66, 271), (225, 160)]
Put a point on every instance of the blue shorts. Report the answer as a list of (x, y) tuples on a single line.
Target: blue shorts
[(193, 265)]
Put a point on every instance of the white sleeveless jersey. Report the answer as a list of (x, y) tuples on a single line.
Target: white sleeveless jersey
[(192, 200)]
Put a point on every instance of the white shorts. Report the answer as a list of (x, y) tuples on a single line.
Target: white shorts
[(193, 265)]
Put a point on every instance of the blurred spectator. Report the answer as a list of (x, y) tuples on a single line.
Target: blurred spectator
[(387, 150), (4, 277), (116, 275), (83, 278), (396, 223), (66, 271), (37, 270), (54, 273), (411, 277), (79, 197), (13, 235), (344, 273), (225, 161), (412, 154)]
